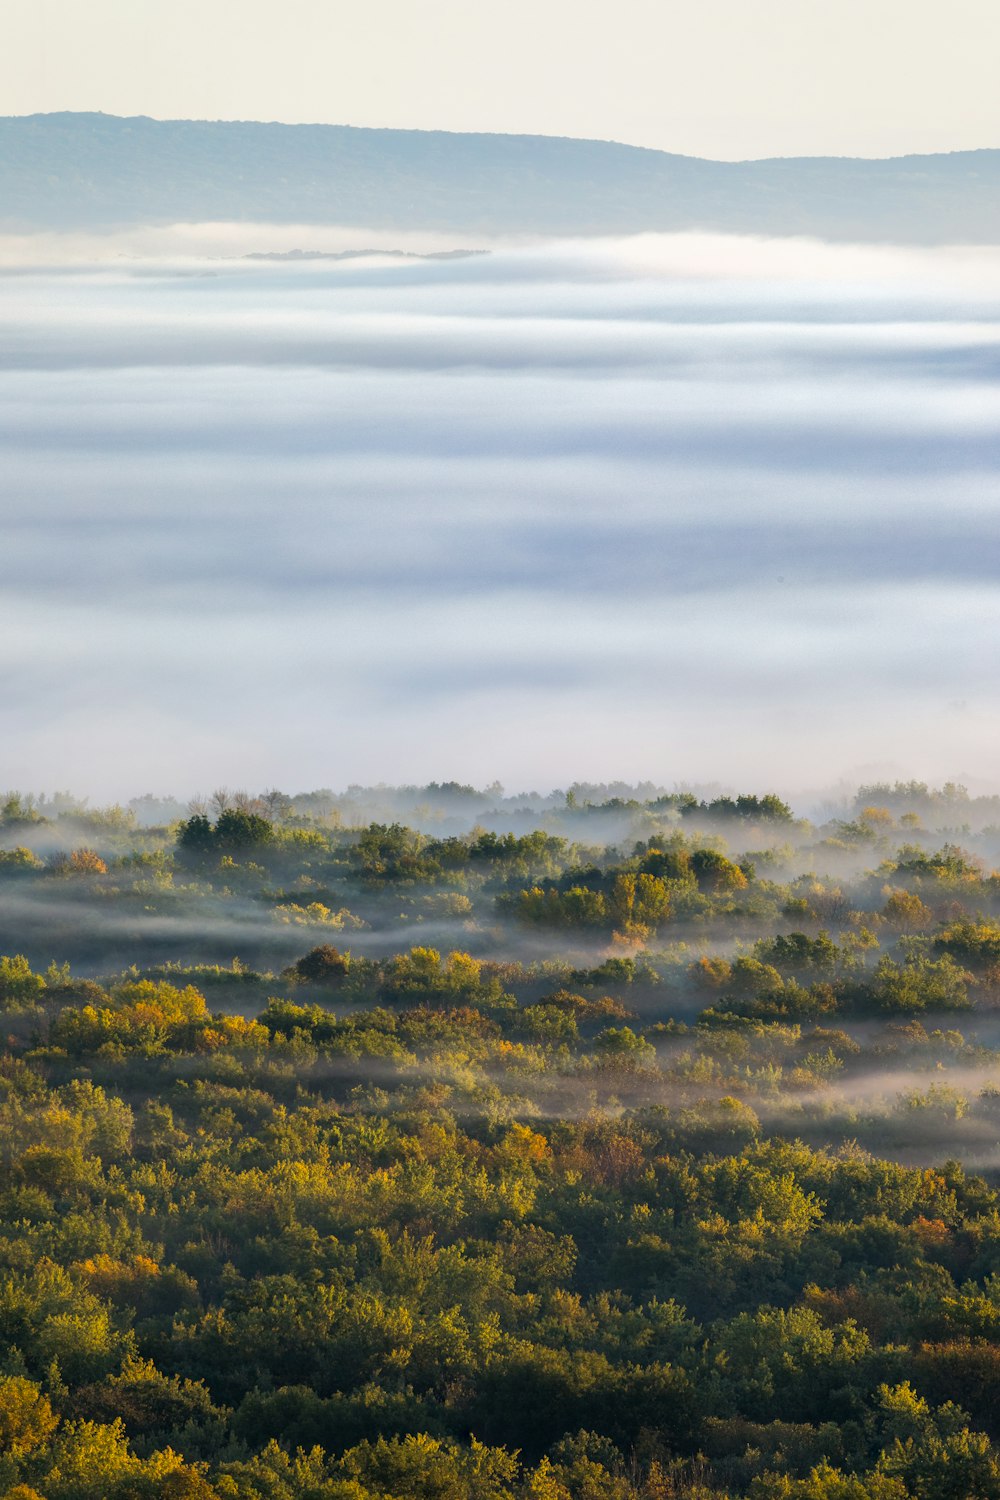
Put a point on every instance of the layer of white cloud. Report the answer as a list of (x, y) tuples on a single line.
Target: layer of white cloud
[(674, 507)]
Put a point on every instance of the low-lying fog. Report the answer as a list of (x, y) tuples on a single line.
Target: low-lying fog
[(669, 506)]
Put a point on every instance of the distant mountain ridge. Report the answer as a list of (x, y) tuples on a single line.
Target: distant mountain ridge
[(69, 170)]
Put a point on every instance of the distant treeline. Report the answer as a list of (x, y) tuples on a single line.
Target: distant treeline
[(671, 870), (448, 801)]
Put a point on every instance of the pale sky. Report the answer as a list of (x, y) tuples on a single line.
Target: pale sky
[(722, 78)]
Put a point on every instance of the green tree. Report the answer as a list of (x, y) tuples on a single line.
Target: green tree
[(27, 1420), (20, 989)]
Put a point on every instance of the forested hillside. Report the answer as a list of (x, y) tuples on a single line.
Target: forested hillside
[(639, 1146), (79, 170)]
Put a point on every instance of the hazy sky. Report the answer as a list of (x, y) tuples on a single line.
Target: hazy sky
[(669, 507), (723, 78)]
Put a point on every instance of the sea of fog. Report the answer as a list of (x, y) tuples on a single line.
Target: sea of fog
[(675, 507)]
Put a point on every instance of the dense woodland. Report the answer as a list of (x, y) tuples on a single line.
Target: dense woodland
[(427, 1144)]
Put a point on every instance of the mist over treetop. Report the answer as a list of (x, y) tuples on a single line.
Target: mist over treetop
[(505, 873)]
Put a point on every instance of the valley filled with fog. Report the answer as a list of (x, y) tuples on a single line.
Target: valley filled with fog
[(499, 798), (671, 506)]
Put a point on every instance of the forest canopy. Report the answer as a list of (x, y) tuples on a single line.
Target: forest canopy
[(629, 1145)]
